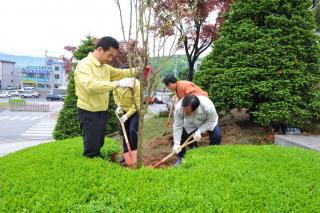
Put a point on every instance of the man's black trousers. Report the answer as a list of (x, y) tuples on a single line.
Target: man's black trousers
[(93, 127)]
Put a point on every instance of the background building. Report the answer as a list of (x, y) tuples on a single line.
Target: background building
[(58, 78), (9, 77), (37, 76)]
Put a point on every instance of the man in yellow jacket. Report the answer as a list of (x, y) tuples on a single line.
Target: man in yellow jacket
[(128, 102), (94, 79)]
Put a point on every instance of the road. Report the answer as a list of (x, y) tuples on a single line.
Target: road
[(19, 130)]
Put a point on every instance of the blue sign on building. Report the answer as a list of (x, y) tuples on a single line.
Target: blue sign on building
[(38, 70)]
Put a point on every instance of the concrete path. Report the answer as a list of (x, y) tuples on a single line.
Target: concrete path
[(308, 142)]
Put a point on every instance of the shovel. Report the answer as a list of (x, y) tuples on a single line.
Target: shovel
[(168, 121), (130, 157), (186, 143)]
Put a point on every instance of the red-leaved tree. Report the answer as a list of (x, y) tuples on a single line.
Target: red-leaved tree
[(191, 18), (68, 61)]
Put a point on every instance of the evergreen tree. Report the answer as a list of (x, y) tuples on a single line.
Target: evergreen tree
[(266, 60)]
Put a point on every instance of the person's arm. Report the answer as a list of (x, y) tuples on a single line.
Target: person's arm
[(136, 98), (177, 125), (211, 121), (84, 76), (117, 74)]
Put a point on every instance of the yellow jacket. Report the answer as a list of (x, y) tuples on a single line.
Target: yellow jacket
[(93, 83), (123, 97)]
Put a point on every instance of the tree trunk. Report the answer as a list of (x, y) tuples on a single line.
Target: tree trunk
[(190, 71), (140, 140)]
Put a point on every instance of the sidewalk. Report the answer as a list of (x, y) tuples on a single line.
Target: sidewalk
[(7, 147), (307, 142)]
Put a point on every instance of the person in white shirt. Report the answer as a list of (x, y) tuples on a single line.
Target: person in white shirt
[(194, 115)]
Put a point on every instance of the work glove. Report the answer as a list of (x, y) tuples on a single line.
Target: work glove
[(124, 118), (176, 148), (197, 135), (119, 110), (126, 82)]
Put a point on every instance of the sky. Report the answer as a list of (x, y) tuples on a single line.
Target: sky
[(29, 27)]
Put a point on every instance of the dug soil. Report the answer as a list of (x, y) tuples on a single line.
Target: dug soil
[(235, 127)]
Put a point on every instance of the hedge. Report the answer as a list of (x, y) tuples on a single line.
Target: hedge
[(54, 177)]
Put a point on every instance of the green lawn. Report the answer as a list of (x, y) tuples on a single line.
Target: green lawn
[(55, 177), (4, 105), (154, 128)]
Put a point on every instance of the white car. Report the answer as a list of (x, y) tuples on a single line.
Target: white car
[(29, 94), (162, 97), (14, 93), (5, 94)]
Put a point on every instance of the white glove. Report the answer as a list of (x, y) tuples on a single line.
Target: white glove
[(119, 110), (176, 148), (123, 119), (126, 82), (197, 135)]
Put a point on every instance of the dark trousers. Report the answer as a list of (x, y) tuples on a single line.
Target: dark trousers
[(214, 139), (93, 127), (131, 125)]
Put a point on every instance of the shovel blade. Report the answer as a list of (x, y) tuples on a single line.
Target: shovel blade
[(131, 160)]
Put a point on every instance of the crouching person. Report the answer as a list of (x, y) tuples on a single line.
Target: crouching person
[(194, 115), (128, 102)]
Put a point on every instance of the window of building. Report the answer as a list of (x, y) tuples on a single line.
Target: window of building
[(11, 81), (56, 68), (56, 76)]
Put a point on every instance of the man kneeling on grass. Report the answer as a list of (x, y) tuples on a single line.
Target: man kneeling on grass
[(194, 115)]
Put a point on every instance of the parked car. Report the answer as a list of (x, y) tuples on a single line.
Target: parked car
[(29, 94), (54, 97), (14, 93), (5, 94), (28, 88), (161, 97), (151, 99), (11, 87)]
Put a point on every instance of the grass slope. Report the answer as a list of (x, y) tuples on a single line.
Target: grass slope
[(55, 177)]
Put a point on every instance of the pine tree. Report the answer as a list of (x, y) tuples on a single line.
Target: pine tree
[(266, 60)]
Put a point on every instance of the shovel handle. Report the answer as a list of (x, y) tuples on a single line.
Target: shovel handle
[(124, 134), (186, 143), (168, 121)]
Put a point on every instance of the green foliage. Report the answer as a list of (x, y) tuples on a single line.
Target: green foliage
[(182, 74), (54, 177), (169, 67), (68, 125), (87, 46), (317, 16), (163, 114), (267, 60)]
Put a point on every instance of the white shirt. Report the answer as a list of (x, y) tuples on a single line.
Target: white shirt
[(205, 119)]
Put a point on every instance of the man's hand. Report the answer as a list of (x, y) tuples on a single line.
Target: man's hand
[(123, 119), (119, 110), (126, 82), (197, 135), (176, 148)]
